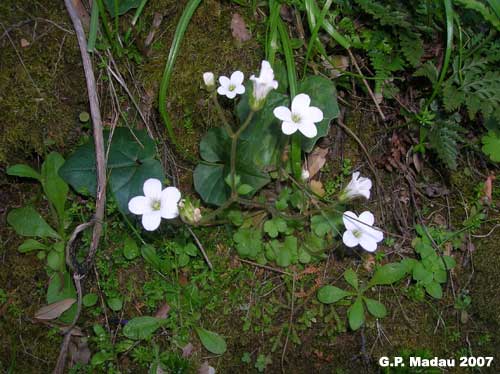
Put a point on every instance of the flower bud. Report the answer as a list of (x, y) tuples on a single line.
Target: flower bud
[(209, 80), (190, 211), (262, 85)]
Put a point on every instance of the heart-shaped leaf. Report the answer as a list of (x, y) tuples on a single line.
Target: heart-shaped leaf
[(131, 161), (209, 177), (324, 96)]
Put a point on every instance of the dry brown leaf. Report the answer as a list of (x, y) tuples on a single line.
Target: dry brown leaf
[(206, 369), (317, 188), (79, 351), (187, 350), (488, 187), (162, 311), (239, 29), (54, 310), (24, 43), (316, 160)]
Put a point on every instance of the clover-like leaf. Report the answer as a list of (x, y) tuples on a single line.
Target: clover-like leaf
[(491, 145), (248, 242)]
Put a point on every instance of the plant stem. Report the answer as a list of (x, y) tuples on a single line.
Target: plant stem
[(234, 143), (220, 112)]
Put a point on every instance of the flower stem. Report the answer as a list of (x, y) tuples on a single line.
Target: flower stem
[(220, 112), (234, 143)]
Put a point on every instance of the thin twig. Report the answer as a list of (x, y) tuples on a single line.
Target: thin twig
[(200, 247), (265, 267), (290, 324)]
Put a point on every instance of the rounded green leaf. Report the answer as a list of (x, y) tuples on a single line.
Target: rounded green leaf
[(388, 274), (31, 245), (115, 304), (331, 294), (21, 170), (89, 299), (351, 277), (27, 222), (434, 289), (130, 249), (376, 308), (212, 341), (55, 260)]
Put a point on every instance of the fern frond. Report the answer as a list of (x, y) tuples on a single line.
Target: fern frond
[(443, 140), (412, 47), (482, 9)]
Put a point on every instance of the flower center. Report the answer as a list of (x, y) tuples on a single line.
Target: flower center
[(356, 233), (232, 87), (156, 205), (296, 118)]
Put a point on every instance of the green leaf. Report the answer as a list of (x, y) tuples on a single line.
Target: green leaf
[(130, 248), (434, 289), (248, 242), (376, 308), (212, 341), (55, 260), (331, 294), (115, 304), (31, 245), (324, 96), (101, 357), (491, 145), (129, 165), (123, 6), (450, 262), (209, 176), (25, 171), (356, 314), (27, 222), (420, 273), (327, 222), (388, 274), (244, 189), (191, 250), (139, 328), (351, 277), (274, 226), (89, 300), (149, 254), (61, 287), (53, 185)]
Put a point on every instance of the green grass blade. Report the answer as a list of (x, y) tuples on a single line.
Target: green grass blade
[(169, 65), (272, 32), (495, 5), (314, 34), (313, 13), (138, 12), (449, 14), (94, 25), (295, 152)]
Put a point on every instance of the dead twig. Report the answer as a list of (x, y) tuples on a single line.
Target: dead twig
[(200, 247), (101, 180)]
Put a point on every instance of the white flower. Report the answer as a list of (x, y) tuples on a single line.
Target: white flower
[(262, 85), (357, 187), (233, 86), (155, 204), (302, 117), (305, 174), (209, 80), (360, 230)]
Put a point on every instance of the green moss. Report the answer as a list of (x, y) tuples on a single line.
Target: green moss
[(42, 89), (207, 46)]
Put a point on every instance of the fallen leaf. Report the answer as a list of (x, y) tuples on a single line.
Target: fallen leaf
[(316, 160), (488, 187), (317, 187), (368, 262), (187, 350), (24, 43), (54, 310), (79, 351), (162, 312), (239, 28)]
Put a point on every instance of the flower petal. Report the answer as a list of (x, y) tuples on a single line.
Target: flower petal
[(367, 218), (300, 103), (283, 113), (314, 114), (240, 90), (349, 239), (288, 128), (368, 243), (222, 90), (350, 224), (170, 194), (151, 220), (237, 78), (152, 188), (374, 233), (308, 129), (170, 211), (230, 94), (139, 205), (224, 81)]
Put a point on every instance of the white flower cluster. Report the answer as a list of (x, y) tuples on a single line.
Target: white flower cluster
[(301, 116), (359, 229)]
